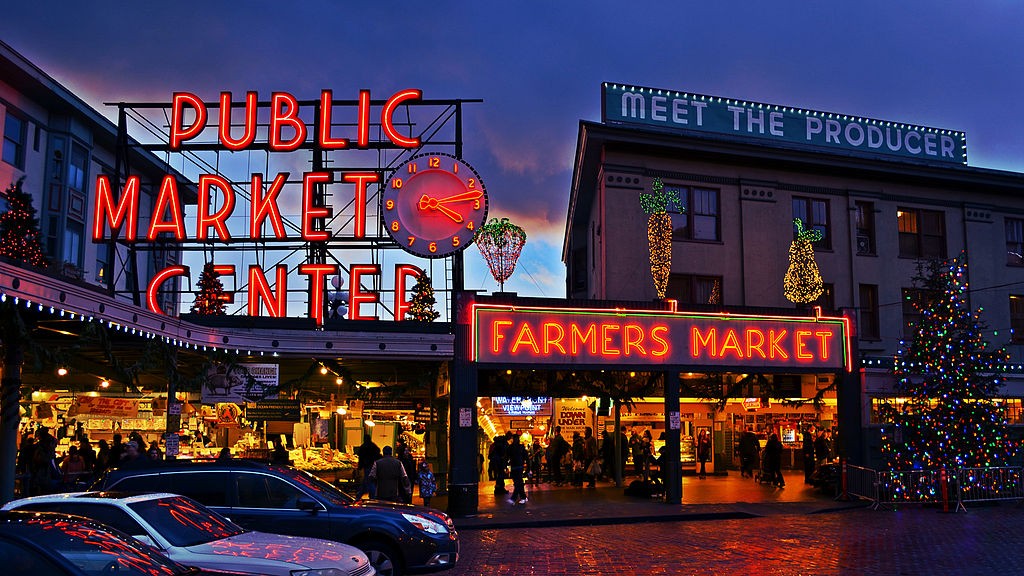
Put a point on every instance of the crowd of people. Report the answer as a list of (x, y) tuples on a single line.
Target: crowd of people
[(44, 471), (391, 473)]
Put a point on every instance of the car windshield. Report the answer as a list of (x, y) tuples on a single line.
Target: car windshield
[(321, 487), (184, 522), (97, 550)]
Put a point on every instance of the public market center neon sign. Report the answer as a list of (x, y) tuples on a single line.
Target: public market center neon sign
[(510, 335), (286, 132)]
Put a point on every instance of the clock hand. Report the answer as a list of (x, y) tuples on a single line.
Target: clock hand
[(463, 197), (433, 204)]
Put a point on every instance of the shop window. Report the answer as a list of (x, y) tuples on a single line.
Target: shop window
[(1015, 242), (813, 212), (865, 227), (15, 135), (696, 217), (922, 233), (691, 289), (868, 316), (1017, 318)]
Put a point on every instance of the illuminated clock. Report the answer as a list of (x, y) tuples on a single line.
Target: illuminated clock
[(433, 205)]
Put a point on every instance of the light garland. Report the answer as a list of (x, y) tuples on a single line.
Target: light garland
[(659, 231), (210, 301), (20, 239), (421, 306), (500, 243), (803, 283), (949, 377)]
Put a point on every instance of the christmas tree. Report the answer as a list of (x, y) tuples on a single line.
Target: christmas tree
[(947, 375), (802, 283), (20, 238), (659, 231), (421, 306), (211, 298)]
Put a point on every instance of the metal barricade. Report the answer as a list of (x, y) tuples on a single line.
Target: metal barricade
[(860, 482), (990, 484), (910, 487)]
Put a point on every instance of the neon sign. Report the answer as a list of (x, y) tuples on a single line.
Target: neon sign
[(284, 124), (565, 336)]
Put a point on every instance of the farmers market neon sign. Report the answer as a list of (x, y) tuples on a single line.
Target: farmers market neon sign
[(529, 335)]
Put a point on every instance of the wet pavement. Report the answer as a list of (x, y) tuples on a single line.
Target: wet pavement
[(728, 525)]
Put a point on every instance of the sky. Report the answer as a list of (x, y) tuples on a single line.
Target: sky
[(538, 67)]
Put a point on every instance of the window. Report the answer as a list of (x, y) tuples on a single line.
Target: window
[(865, 227), (20, 559), (1015, 241), (913, 300), (922, 233), (108, 514), (814, 214), (74, 236), (827, 300), (261, 491), (208, 488), (14, 141), (78, 168), (696, 217), (868, 317), (689, 289), (1017, 318)]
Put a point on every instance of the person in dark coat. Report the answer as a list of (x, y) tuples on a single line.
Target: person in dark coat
[(749, 450), (703, 452), (773, 460), (366, 455), (559, 448), (807, 438), (389, 477), (404, 455), (497, 457), (517, 466)]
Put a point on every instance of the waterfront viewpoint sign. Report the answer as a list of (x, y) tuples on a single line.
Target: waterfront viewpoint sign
[(538, 336), (779, 124)]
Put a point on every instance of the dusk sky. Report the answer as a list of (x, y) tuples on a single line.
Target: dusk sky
[(538, 66)]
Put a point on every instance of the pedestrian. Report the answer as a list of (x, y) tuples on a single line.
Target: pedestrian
[(703, 452), (131, 453), (749, 450), (426, 481), (646, 454), (45, 474), (366, 455), (773, 460), (116, 451), (559, 448), (404, 455), (590, 456), (72, 469), (102, 456), (823, 448), (636, 450), (535, 458), (26, 452), (517, 467), (497, 458), (577, 459), (88, 454), (279, 457), (807, 448), (389, 477)]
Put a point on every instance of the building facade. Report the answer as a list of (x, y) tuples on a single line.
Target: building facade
[(880, 209)]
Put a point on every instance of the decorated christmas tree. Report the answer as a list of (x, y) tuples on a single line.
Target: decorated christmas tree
[(210, 300), (802, 283), (659, 231), (421, 306), (947, 375), (20, 239)]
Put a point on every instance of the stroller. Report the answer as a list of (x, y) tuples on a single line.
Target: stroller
[(761, 476)]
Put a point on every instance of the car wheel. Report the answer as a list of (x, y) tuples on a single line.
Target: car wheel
[(383, 558)]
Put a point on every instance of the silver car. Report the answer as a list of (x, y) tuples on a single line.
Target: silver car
[(192, 534)]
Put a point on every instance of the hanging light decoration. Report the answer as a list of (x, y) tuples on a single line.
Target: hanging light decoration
[(500, 243), (659, 231), (803, 283)]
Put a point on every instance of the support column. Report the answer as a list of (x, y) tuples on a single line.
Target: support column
[(463, 478), (850, 405), (673, 473), (10, 394)]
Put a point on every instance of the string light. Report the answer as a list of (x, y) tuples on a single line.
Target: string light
[(500, 242), (659, 231), (803, 283)]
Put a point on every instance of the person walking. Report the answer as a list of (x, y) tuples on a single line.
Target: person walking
[(559, 448), (517, 466), (534, 467), (427, 483), (404, 455), (749, 450), (807, 438), (72, 469), (773, 460), (366, 455), (590, 454), (389, 477), (497, 457), (703, 452)]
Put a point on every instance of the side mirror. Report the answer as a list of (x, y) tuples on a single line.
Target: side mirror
[(306, 503), (145, 539)]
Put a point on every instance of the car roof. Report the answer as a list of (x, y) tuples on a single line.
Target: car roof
[(123, 497)]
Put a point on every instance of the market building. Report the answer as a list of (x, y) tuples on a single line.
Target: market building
[(882, 195)]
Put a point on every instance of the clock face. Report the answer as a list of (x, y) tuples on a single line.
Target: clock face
[(433, 205)]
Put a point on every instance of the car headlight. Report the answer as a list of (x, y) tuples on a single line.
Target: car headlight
[(320, 572), (426, 524)]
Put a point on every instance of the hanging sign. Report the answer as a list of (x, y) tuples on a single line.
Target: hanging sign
[(104, 407), (240, 383)]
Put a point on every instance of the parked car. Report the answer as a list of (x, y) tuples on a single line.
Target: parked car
[(398, 538), (65, 545), (191, 534)]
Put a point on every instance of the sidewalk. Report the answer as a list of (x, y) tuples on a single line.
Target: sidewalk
[(716, 498)]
